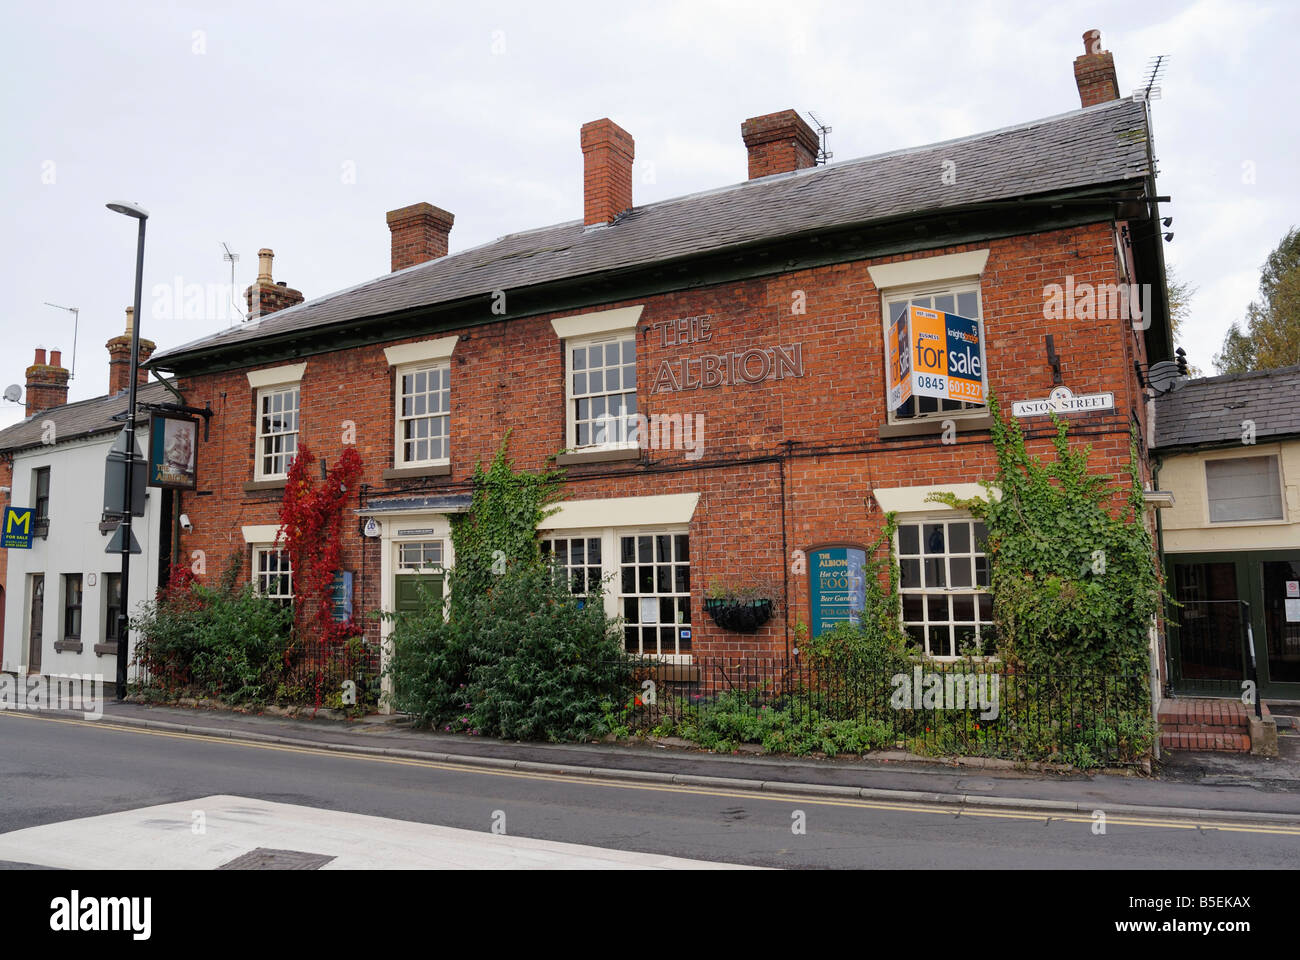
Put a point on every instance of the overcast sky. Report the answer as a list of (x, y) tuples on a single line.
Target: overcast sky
[(297, 126)]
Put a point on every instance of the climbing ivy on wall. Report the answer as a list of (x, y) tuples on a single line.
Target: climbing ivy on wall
[(501, 526), (1074, 577)]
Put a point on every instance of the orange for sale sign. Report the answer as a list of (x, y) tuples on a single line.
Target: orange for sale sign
[(934, 354)]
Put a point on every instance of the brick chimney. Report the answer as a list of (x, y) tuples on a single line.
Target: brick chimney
[(1094, 72), (265, 295), (420, 234), (779, 143), (607, 154), (47, 383), (119, 358)]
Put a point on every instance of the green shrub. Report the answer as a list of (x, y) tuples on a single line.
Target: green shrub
[(522, 659), (224, 641)]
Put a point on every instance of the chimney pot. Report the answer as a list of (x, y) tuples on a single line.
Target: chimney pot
[(779, 143), (607, 154), (266, 296), (47, 383), (119, 357), (419, 234), (1094, 72)]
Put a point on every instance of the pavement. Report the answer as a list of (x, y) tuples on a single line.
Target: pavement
[(239, 833), (1188, 785)]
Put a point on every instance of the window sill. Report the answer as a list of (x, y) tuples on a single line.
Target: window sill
[(109, 648), (934, 425), (256, 486), (403, 473), (67, 646), (667, 672), (598, 456)]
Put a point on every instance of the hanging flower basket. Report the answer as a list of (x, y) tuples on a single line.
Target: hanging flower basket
[(742, 616)]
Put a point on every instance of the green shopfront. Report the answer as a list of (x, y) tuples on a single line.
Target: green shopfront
[(1221, 602)]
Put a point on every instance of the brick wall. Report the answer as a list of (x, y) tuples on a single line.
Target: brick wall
[(821, 429)]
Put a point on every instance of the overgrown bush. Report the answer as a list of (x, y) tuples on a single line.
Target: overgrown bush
[(1074, 577), (224, 641), (523, 659)]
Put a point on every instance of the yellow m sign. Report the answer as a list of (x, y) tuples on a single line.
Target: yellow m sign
[(14, 518), (17, 532)]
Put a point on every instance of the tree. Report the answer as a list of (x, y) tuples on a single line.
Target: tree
[(1179, 294), (1271, 337)]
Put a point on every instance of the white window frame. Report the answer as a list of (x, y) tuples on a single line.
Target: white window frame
[(983, 628), (399, 419), (401, 567), (260, 550), (935, 289), (571, 398), (612, 577), (259, 473)]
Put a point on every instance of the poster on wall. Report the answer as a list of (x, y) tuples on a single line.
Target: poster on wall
[(930, 353), (837, 587), (173, 451)]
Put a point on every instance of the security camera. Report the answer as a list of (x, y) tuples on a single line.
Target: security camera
[(186, 525)]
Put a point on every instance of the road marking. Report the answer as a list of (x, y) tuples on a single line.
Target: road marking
[(167, 837), (896, 806)]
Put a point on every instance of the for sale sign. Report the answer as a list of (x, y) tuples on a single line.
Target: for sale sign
[(934, 354)]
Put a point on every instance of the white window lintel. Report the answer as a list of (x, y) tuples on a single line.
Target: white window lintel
[(657, 511), (277, 376), (421, 351), (262, 534), (915, 499), (949, 266), (593, 324)]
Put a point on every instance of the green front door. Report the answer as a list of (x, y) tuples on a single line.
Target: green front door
[(416, 591)]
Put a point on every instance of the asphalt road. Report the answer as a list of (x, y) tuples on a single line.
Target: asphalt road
[(56, 770)]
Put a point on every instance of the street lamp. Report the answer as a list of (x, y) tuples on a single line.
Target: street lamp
[(123, 644)]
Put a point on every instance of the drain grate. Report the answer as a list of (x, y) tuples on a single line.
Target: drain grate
[(264, 858)]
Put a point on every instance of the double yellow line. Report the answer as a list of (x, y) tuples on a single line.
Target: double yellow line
[(803, 799)]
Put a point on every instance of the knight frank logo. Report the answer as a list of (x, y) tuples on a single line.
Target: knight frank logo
[(75, 913)]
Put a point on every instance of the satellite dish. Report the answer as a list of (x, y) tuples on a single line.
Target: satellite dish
[(13, 393), (1165, 376)]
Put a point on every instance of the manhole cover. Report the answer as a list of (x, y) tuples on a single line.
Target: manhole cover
[(263, 858)]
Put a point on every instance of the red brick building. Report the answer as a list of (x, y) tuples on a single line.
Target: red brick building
[(754, 317)]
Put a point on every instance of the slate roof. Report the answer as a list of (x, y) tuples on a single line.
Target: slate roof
[(1098, 145), (1210, 410), (84, 418)]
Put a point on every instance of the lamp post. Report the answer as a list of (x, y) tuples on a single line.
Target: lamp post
[(123, 644)]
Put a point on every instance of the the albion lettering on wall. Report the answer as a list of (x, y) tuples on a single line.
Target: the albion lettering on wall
[(708, 370)]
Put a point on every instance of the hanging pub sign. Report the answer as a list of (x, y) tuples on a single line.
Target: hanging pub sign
[(837, 586), (173, 451), (930, 353)]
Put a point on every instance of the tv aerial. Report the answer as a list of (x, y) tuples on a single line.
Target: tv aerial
[(232, 258), (822, 130), (1150, 90), (76, 322)]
